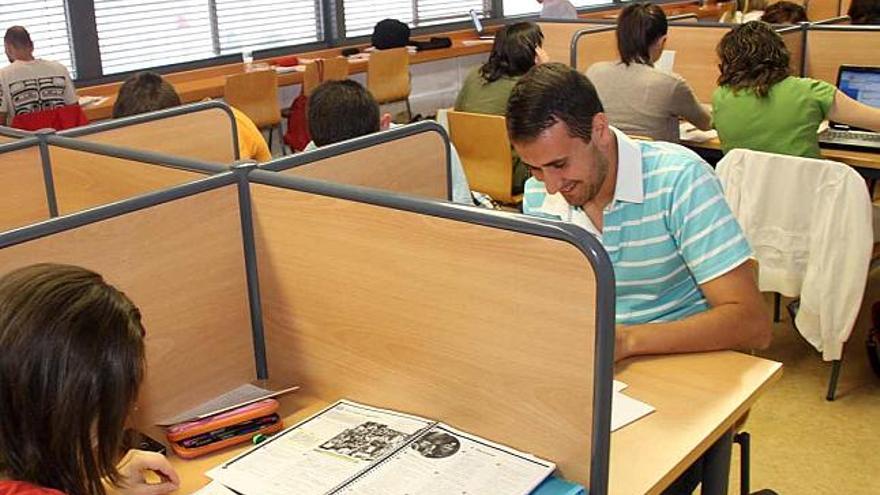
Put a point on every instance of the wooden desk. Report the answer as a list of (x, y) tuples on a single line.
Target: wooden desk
[(865, 160), (196, 85), (698, 397)]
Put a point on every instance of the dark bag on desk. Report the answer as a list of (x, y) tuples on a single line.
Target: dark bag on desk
[(434, 43)]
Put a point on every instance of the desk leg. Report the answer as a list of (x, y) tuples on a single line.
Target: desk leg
[(716, 466), (744, 440)]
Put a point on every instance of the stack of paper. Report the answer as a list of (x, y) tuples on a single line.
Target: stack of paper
[(625, 409)]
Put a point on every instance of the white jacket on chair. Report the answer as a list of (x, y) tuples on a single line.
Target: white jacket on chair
[(810, 225)]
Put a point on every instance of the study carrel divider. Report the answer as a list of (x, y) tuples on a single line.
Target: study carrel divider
[(200, 131), (830, 46), (694, 44), (412, 159), (47, 174), (351, 292)]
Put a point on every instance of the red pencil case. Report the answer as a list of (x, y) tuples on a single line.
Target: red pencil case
[(196, 438)]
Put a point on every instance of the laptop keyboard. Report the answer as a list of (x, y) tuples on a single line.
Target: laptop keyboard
[(837, 135)]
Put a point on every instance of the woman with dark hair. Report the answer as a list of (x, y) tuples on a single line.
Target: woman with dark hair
[(639, 98), (71, 363), (517, 49), (864, 11), (760, 106)]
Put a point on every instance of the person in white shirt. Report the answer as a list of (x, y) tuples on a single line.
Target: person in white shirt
[(28, 84), (558, 9)]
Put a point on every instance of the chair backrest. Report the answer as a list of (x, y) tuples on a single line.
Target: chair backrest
[(256, 94), (388, 75), (482, 144), (327, 69)]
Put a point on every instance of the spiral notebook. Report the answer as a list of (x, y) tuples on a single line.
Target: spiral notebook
[(353, 448)]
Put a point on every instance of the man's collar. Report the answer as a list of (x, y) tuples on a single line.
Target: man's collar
[(629, 187)]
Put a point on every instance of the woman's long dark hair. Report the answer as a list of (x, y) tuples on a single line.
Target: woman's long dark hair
[(753, 57), (639, 26), (513, 52), (71, 363)]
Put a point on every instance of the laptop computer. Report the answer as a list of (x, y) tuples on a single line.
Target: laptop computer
[(478, 26), (863, 85)]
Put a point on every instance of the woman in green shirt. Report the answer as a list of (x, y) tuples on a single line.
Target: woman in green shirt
[(760, 106), (517, 49)]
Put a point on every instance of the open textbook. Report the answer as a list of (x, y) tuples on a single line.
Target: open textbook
[(352, 448)]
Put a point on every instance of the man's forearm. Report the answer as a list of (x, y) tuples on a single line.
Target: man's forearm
[(728, 326)]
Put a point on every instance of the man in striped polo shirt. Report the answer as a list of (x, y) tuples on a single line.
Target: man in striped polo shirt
[(680, 260)]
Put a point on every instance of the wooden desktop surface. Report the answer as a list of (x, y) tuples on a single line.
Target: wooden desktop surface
[(854, 158), (697, 396), (196, 85)]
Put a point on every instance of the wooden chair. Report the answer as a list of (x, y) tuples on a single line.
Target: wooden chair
[(482, 144), (256, 94), (329, 69), (388, 76)]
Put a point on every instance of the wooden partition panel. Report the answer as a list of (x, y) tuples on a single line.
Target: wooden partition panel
[(181, 263), (596, 44), (85, 180), (793, 37), (205, 135), (695, 57), (6, 139), (822, 9), (23, 200), (558, 37), (415, 165), (828, 47), (471, 325)]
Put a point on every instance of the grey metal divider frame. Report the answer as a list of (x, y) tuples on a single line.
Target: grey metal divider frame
[(359, 143), (592, 249), (157, 115), (601, 27), (46, 137), (13, 132)]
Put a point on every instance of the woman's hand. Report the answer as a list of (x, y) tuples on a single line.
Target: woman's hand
[(139, 468)]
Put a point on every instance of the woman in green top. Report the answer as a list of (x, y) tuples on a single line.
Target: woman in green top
[(517, 49), (760, 106)]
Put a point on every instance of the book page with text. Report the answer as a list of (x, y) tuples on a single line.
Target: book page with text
[(444, 460), (320, 453)]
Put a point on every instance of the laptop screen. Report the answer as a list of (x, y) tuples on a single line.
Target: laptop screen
[(861, 84)]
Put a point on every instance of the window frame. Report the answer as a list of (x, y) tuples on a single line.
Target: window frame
[(330, 22)]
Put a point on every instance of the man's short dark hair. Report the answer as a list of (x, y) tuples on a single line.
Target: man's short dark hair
[(18, 37), (551, 93), (340, 110), (639, 26), (784, 13), (144, 92)]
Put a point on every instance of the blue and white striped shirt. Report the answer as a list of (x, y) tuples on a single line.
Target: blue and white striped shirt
[(667, 230)]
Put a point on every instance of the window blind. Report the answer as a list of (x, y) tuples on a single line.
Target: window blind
[(46, 21), (258, 24), (136, 34), (362, 15)]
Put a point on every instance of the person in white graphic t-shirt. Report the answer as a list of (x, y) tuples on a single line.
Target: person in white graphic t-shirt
[(30, 85)]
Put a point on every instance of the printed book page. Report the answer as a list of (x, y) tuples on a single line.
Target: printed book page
[(444, 460), (322, 453)]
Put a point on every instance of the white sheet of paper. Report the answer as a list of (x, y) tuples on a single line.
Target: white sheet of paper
[(666, 61), (214, 488), (625, 410), (619, 386), (687, 132), (241, 396)]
